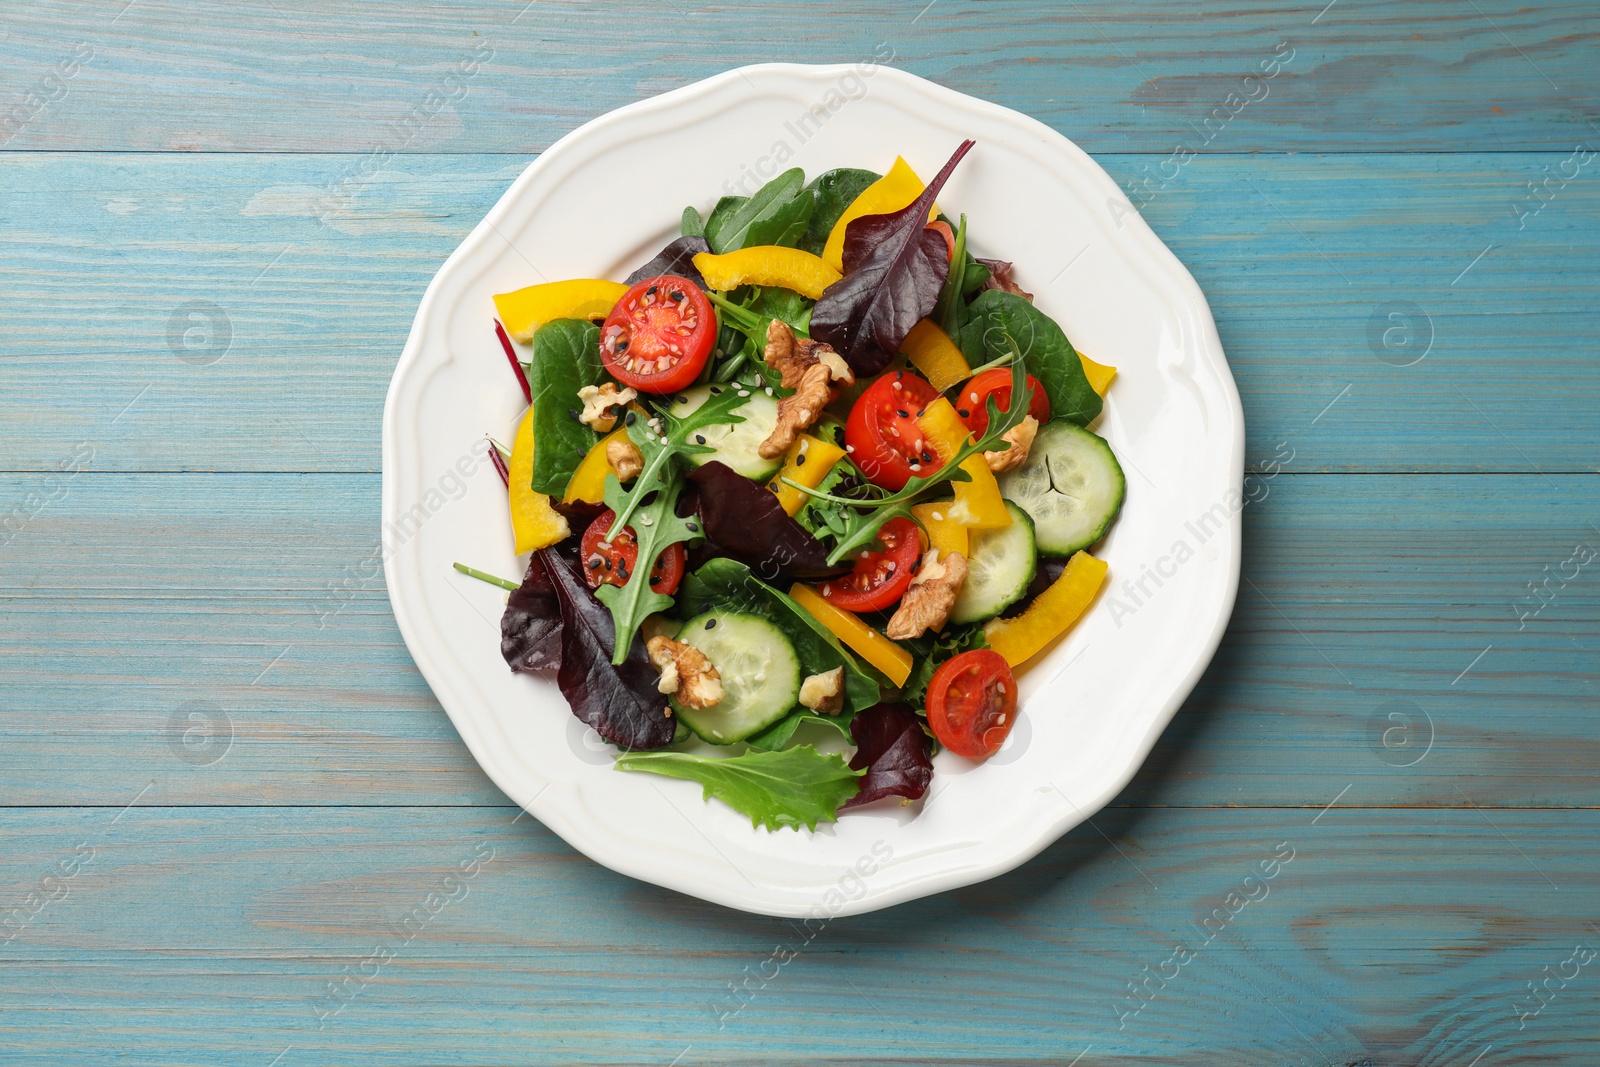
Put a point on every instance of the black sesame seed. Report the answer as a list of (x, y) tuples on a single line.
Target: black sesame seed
[(576, 417), (927, 458), (682, 399), (800, 460), (596, 563), (633, 417), (699, 438), (710, 623), (675, 296), (715, 391), (651, 291), (903, 414), (692, 527), (964, 413), (622, 346)]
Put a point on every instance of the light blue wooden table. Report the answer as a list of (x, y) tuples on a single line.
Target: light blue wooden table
[(1400, 237)]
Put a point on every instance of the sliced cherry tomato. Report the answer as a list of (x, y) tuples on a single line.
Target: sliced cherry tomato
[(613, 563), (882, 433), (949, 236), (880, 578), (972, 703), (659, 335), (972, 404)]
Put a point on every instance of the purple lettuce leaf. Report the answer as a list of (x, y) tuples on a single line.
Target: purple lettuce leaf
[(891, 746), (677, 258), (744, 521), (621, 702), (1003, 276), (895, 268), (530, 629)]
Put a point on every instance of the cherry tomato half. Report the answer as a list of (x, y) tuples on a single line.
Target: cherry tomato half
[(659, 335), (882, 433), (972, 703), (613, 563), (879, 578), (973, 402)]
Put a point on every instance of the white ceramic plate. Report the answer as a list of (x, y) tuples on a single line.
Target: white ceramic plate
[(603, 200)]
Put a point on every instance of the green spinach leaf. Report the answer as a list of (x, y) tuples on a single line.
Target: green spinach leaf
[(996, 316), (691, 226), (566, 357), (832, 192), (778, 214), (728, 585), (781, 733), (796, 787)]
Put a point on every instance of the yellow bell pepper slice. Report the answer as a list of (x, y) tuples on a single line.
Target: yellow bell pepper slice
[(534, 523), (893, 191), (808, 461), (869, 644), (978, 503), (524, 311), (1099, 374), (787, 268), (588, 482), (931, 351), (944, 533), (1051, 615)]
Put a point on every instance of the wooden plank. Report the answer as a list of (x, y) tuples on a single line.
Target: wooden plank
[(213, 935), (134, 599), (343, 76), (1300, 257)]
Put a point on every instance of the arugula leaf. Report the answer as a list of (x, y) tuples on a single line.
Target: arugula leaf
[(566, 357), (1000, 322), (656, 526), (673, 440), (861, 528), (728, 585), (796, 787), (691, 226), (895, 268), (951, 311), (777, 214), (833, 192)]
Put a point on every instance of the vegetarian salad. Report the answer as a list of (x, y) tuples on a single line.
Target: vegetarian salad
[(814, 471)]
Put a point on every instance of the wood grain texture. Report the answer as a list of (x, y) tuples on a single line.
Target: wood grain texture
[(1394, 702), (1299, 257), (1128, 75), (255, 596), (212, 936)]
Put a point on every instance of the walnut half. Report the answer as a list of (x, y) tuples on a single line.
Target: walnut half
[(685, 672), (932, 594), (823, 692), (1021, 437), (601, 403), (625, 458)]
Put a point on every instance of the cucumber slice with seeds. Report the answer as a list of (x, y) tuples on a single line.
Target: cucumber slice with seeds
[(1071, 486), (736, 444), (760, 675), (999, 568)]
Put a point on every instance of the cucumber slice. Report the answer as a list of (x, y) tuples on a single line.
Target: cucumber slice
[(760, 675), (735, 444), (999, 569), (1071, 486)]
